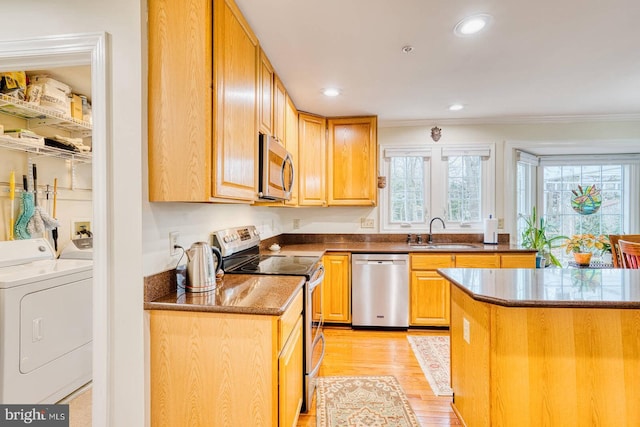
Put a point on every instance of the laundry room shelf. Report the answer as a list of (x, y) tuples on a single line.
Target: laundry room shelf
[(38, 116), (43, 150)]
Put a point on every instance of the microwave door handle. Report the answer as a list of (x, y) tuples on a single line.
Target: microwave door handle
[(285, 187)]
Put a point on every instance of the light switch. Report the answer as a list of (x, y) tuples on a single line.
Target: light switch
[(466, 332)]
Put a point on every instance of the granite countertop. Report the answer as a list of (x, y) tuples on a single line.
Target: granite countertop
[(387, 247), (236, 293), (549, 287)]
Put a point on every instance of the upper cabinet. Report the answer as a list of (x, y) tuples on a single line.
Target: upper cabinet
[(352, 161), (312, 160), (338, 161), (265, 95), (203, 84), (279, 110)]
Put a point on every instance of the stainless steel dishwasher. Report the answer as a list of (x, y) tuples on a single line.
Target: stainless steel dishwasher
[(380, 290)]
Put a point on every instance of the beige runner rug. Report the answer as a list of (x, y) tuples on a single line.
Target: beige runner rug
[(362, 401), (433, 354)]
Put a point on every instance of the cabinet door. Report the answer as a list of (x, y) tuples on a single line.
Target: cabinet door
[(279, 110), (430, 299), (312, 160), (352, 162), (235, 71), (477, 261), (336, 305), (291, 142), (265, 95), (518, 261), (180, 100), (290, 377)]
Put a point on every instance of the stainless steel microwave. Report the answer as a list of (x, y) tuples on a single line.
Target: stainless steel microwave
[(276, 170)]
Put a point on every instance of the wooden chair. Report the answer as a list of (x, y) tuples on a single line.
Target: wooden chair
[(630, 254), (615, 251)]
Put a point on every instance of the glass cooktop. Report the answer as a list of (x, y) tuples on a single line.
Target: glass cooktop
[(277, 264)]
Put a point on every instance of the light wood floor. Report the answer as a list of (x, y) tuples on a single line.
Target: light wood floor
[(364, 352)]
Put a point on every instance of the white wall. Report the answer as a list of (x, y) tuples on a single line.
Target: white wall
[(578, 137), (122, 19)]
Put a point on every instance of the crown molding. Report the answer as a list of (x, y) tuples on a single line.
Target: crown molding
[(512, 120)]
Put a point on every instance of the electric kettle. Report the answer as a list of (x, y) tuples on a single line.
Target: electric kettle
[(202, 267)]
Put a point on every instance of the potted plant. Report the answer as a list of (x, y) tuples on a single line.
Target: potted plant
[(604, 245), (582, 246), (535, 236)]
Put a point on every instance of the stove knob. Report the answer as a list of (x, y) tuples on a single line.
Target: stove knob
[(226, 239)]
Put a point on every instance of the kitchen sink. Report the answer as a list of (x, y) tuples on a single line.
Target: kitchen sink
[(444, 246)]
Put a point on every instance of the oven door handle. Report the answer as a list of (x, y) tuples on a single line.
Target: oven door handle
[(318, 280), (316, 368)]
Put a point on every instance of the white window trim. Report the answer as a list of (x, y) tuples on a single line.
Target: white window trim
[(395, 151), (436, 167)]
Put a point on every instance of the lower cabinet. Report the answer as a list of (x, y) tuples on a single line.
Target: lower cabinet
[(226, 369), (430, 293), (336, 304)]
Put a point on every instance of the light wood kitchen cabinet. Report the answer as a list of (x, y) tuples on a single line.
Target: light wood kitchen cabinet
[(518, 260), (429, 293), (477, 260), (336, 304), (265, 95), (208, 368), (352, 161), (290, 381), (312, 160), (279, 110), (202, 138)]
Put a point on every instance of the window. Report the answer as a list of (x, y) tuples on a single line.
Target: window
[(555, 182), (561, 184), (464, 180), (452, 182), (406, 198), (407, 189)]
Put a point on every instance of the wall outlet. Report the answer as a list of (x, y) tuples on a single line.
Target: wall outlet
[(466, 330), (367, 223), (173, 241), (501, 223), (296, 224)]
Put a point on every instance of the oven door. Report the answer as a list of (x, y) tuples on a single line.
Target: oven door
[(314, 338), (314, 305)]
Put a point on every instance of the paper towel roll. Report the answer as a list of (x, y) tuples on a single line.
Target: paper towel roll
[(491, 231)]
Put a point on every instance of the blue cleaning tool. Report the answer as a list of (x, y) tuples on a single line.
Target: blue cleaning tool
[(27, 208)]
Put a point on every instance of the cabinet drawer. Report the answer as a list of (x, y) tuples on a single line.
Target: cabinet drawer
[(478, 261), (288, 320), (519, 261), (431, 261)]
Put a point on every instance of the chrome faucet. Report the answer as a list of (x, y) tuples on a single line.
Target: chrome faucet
[(431, 224)]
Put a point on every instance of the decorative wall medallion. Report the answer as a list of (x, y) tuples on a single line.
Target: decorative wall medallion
[(436, 133), (586, 201)]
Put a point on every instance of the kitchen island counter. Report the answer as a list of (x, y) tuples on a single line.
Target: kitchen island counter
[(545, 347), (549, 287)]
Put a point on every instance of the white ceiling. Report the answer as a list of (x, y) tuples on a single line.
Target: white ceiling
[(537, 58)]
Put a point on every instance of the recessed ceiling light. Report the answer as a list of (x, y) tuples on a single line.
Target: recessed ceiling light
[(407, 49), (456, 107), (331, 92), (472, 24)]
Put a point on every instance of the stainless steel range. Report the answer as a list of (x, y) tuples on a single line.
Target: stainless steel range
[(241, 255)]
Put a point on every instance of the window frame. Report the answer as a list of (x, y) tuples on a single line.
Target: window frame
[(436, 199)]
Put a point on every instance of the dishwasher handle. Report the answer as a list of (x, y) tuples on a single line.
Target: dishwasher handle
[(380, 262)]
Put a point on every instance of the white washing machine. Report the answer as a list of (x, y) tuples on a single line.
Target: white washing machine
[(45, 323)]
